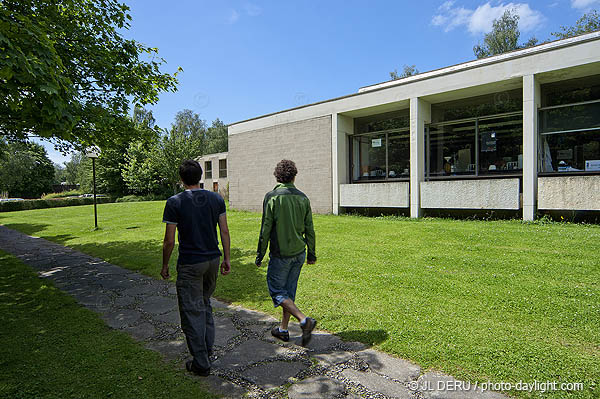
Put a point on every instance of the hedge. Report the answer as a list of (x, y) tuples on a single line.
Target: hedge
[(10, 206)]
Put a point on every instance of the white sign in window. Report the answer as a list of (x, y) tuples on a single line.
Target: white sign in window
[(376, 143)]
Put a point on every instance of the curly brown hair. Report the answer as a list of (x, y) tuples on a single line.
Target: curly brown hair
[(285, 171)]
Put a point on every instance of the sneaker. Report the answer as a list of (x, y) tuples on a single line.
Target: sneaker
[(284, 336), (307, 328), (189, 366)]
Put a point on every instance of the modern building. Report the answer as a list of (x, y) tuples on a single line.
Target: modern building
[(518, 131), (214, 176)]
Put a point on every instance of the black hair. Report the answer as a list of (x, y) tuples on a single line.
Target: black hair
[(190, 172)]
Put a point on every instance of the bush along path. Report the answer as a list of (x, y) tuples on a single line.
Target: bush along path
[(247, 361)]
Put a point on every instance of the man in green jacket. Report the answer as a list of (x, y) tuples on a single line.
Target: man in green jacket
[(287, 225)]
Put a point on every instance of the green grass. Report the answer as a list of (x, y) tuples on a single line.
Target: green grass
[(498, 300), (53, 348)]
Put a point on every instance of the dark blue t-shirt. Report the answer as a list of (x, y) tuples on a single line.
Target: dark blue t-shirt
[(196, 214)]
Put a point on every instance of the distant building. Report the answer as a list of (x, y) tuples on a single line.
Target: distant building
[(214, 176), (518, 131)]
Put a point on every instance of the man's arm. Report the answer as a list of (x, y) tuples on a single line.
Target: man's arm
[(265, 232), (309, 234), (168, 245), (226, 242)]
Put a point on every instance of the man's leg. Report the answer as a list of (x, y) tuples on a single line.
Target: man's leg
[(289, 308), (210, 283), (190, 297)]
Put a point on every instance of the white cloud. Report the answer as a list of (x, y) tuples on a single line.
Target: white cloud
[(233, 17), (584, 4), (253, 10), (480, 20)]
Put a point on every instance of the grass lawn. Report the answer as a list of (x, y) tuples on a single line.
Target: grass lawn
[(54, 348), (481, 300)]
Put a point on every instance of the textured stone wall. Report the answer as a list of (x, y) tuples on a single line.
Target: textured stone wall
[(376, 195), (254, 154), (471, 194), (569, 192)]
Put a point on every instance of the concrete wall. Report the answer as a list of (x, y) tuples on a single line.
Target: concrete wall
[(471, 194), (254, 154), (376, 195), (569, 193)]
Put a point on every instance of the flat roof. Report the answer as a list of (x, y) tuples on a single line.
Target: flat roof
[(511, 55)]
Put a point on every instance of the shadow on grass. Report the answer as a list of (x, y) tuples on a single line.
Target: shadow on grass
[(369, 337), (26, 228)]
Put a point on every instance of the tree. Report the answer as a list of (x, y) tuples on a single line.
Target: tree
[(60, 174), (110, 164), (589, 22), (180, 143), (26, 171), (67, 73), (216, 138), (140, 170), (504, 36), (408, 70)]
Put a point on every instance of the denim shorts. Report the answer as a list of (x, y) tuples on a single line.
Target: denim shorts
[(282, 277)]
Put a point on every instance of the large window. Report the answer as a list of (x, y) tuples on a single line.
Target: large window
[(222, 168), (208, 170), (479, 136), (381, 147), (569, 126)]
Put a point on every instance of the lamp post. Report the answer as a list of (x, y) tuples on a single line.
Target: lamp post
[(93, 153)]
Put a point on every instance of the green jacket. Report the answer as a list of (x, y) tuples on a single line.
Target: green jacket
[(287, 224)]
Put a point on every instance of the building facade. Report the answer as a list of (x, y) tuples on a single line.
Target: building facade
[(214, 176), (518, 131)]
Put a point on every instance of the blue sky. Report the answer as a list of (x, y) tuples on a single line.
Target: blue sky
[(243, 59)]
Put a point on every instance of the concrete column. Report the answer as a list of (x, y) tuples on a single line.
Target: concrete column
[(420, 114), (531, 103), (341, 127)]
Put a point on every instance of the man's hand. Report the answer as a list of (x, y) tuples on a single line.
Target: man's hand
[(165, 272), (311, 262), (225, 267)]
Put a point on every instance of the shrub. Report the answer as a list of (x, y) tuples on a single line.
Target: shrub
[(11, 206), (140, 198), (71, 193)]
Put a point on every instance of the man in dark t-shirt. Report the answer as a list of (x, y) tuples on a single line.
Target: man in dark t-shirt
[(195, 213)]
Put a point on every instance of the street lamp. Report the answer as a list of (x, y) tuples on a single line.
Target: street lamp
[(93, 152)]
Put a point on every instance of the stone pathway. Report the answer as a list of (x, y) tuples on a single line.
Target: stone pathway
[(247, 360)]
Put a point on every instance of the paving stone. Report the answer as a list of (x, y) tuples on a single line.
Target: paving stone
[(226, 389), (141, 331), (123, 301), (353, 346), (322, 342), (94, 300), (274, 374), (260, 329), (171, 317), (121, 318), (333, 358), (435, 385), (224, 330), (119, 283), (376, 383), (215, 303), (249, 352), (316, 387), (172, 290), (393, 367), (251, 316), (139, 290), (170, 349), (158, 305)]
